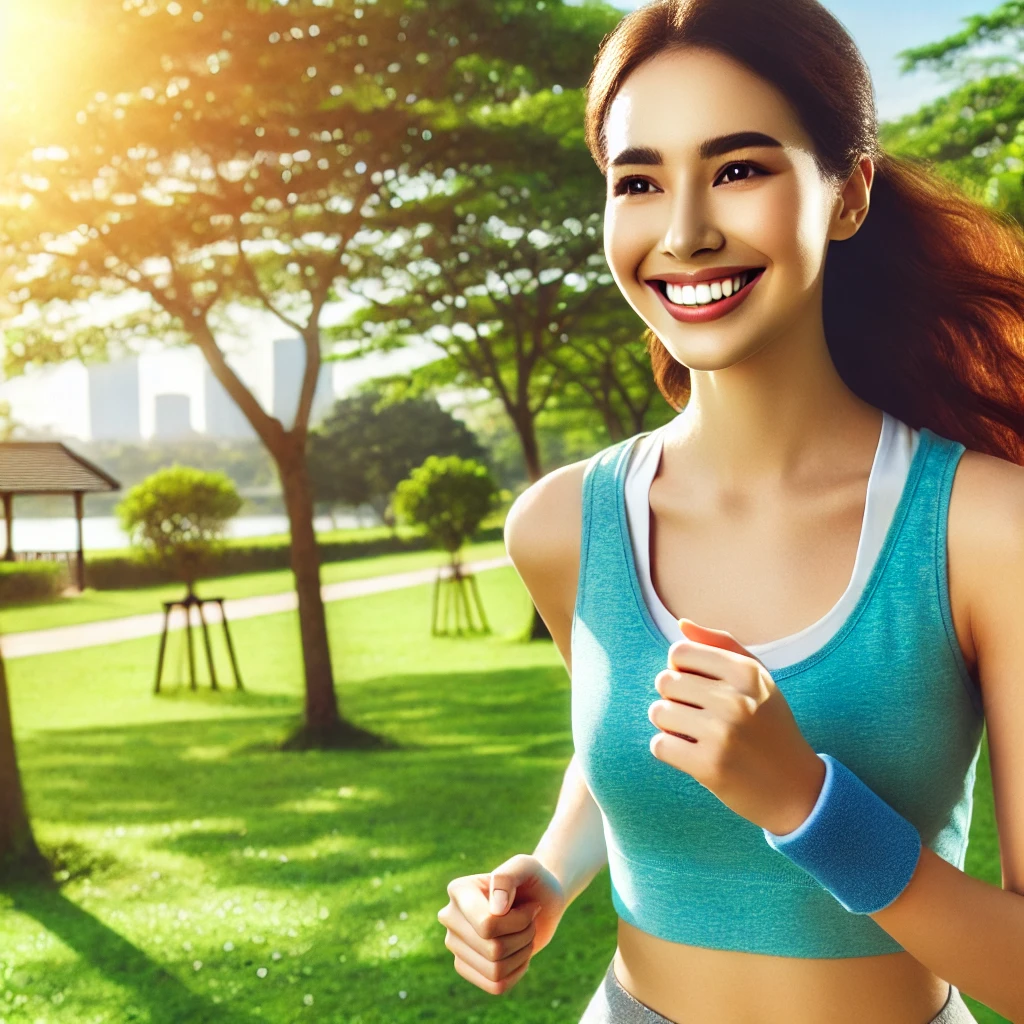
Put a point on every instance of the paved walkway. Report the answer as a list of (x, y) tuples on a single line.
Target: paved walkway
[(110, 631)]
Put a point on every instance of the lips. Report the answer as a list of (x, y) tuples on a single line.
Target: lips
[(703, 313)]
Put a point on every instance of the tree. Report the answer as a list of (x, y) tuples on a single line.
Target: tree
[(973, 135), (506, 275), (449, 497), (360, 453), (232, 161), (176, 518), (19, 855)]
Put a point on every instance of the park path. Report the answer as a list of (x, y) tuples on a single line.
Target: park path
[(111, 631)]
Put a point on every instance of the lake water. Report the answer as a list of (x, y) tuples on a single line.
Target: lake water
[(59, 533)]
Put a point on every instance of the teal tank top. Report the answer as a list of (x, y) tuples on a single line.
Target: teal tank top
[(889, 695)]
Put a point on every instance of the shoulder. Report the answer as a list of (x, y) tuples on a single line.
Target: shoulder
[(986, 543), (542, 528), (987, 503)]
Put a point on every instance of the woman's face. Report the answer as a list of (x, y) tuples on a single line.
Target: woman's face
[(673, 212)]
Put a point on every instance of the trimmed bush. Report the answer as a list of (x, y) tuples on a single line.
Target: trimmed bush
[(123, 572), (31, 581)]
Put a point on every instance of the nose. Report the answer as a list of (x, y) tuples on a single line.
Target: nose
[(689, 228)]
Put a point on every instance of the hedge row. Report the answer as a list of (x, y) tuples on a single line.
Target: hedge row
[(31, 581), (123, 572)]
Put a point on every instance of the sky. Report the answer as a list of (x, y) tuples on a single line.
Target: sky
[(880, 28)]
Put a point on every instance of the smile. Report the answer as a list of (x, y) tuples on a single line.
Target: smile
[(708, 300)]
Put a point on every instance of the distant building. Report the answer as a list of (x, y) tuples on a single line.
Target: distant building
[(173, 417), (114, 400), (223, 417), (289, 361)]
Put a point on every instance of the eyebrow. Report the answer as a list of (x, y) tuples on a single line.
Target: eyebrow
[(708, 148)]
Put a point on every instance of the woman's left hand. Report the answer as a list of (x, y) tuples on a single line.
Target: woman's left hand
[(744, 744)]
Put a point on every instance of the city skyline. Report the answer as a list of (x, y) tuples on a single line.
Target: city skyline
[(162, 394)]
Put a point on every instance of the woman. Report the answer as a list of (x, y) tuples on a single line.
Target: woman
[(784, 799)]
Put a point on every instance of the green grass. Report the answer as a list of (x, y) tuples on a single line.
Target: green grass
[(96, 605), (200, 857)]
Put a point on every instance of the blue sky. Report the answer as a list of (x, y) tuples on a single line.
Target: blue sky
[(881, 28)]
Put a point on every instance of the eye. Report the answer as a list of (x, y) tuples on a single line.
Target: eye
[(622, 187), (744, 163)]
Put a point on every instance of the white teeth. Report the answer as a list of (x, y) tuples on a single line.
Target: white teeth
[(702, 294)]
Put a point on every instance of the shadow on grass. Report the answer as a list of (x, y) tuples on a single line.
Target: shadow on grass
[(165, 997), (458, 739), (476, 768)]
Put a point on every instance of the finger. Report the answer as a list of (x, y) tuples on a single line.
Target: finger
[(685, 687), (472, 904), (493, 961), (688, 656), (493, 948), (494, 988), (676, 751)]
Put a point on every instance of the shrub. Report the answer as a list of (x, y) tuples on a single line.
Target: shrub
[(31, 581), (176, 518), (120, 571)]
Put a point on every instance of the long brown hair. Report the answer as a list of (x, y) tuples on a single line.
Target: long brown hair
[(924, 306)]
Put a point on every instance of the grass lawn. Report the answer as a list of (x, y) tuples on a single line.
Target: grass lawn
[(94, 605), (212, 878)]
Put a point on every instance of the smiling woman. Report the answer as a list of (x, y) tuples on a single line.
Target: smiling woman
[(783, 803)]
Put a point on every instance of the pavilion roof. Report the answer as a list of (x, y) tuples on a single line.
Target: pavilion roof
[(49, 467)]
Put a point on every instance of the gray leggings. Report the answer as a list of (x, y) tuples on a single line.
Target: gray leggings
[(612, 1004)]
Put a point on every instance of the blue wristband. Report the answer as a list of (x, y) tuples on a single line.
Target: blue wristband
[(853, 843)]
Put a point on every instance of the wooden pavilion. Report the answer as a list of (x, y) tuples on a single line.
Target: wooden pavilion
[(48, 467)]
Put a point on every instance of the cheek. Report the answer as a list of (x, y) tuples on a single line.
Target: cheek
[(626, 243), (794, 230)]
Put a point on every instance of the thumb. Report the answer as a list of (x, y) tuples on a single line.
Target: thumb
[(505, 880), (713, 637), (502, 893)]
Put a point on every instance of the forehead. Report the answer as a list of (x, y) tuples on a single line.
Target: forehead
[(681, 97)]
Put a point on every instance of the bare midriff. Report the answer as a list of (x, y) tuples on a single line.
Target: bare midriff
[(694, 985)]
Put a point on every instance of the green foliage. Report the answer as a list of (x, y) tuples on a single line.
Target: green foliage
[(449, 497), (243, 555), (31, 581), (176, 517), (362, 449), (320, 118), (975, 134)]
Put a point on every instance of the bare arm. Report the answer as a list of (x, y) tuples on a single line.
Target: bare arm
[(542, 537), (573, 847)]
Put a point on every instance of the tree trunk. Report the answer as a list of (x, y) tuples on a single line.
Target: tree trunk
[(531, 455), (19, 855), (322, 720), (531, 451)]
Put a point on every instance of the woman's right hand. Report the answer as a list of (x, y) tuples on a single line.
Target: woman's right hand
[(494, 941)]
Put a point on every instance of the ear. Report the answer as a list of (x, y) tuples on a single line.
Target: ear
[(853, 201)]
